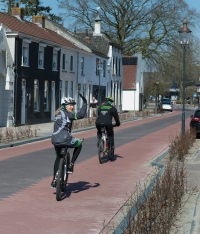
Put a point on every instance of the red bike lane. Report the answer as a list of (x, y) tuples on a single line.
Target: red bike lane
[(94, 194)]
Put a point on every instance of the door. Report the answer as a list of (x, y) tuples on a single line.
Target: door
[(53, 101), (23, 102)]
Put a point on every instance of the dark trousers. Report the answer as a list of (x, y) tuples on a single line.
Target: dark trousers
[(109, 129), (76, 153)]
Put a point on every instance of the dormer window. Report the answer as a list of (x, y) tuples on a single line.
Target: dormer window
[(41, 55), (25, 52)]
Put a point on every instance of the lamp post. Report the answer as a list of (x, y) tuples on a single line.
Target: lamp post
[(99, 68), (194, 96), (157, 83), (184, 35)]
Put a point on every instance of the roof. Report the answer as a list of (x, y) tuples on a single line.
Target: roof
[(129, 72), (31, 29), (81, 40)]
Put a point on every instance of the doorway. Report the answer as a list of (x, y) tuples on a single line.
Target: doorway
[(53, 101)]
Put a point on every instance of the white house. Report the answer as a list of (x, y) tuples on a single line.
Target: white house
[(133, 86)]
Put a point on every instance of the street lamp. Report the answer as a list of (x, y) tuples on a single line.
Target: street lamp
[(157, 83), (184, 35), (99, 68), (194, 95)]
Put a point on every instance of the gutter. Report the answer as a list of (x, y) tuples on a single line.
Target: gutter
[(15, 81)]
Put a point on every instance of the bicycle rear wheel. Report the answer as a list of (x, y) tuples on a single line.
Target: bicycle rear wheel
[(60, 180), (65, 173), (101, 152), (111, 154)]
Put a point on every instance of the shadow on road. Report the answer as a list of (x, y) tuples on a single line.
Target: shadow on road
[(77, 187), (116, 156)]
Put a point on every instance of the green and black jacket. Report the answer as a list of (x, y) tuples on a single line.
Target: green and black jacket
[(105, 115)]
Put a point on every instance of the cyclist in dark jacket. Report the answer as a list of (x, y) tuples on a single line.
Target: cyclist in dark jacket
[(105, 114), (61, 135)]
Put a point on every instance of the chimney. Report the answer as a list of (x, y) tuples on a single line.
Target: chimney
[(97, 26), (17, 12), (87, 38), (38, 19)]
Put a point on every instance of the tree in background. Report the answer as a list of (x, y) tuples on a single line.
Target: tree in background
[(32, 7), (144, 26), (7, 5)]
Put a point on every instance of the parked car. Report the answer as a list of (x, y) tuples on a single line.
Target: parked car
[(195, 121), (167, 105)]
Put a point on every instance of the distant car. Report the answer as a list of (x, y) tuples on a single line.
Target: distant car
[(195, 121), (167, 106), (166, 99)]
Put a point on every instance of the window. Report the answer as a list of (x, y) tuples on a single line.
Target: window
[(71, 63), (60, 89), (55, 61), (41, 57), (36, 95), (25, 54), (64, 62), (72, 89), (84, 90), (82, 66), (113, 68), (104, 68), (119, 67), (97, 71), (116, 66), (46, 95), (66, 88)]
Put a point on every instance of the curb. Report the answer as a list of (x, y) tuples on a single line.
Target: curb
[(145, 194)]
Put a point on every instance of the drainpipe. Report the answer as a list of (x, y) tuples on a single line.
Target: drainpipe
[(77, 79), (15, 81)]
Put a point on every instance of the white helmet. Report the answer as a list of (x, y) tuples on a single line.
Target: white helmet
[(67, 101)]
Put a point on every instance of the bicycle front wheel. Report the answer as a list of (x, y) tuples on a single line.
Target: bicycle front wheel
[(60, 180), (101, 152)]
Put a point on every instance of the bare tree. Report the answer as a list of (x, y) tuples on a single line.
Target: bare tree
[(146, 26)]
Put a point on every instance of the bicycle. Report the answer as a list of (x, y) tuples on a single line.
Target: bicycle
[(62, 174), (103, 147)]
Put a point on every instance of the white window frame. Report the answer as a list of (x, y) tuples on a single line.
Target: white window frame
[(72, 89), (71, 63), (46, 95), (55, 59), (82, 66), (36, 95), (25, 52), (41, 56), (66, 89), (64, 62)]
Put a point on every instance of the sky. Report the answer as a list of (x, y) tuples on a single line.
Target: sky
[(54, 5)]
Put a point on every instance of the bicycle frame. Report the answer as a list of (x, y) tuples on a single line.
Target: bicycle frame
[(104, 137)]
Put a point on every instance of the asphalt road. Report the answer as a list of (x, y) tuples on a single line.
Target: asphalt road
[(24, 170)]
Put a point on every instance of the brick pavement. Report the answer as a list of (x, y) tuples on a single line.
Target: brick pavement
[(94, 194)]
